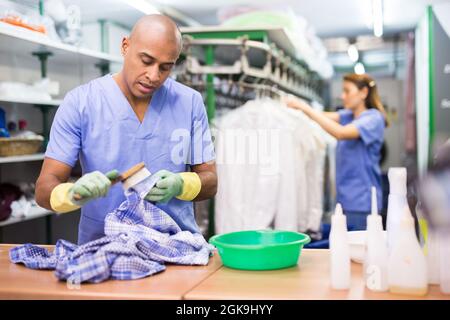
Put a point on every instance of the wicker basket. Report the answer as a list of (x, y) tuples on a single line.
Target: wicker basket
[(19, 146)]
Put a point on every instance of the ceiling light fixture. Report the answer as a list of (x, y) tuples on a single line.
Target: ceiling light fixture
[(353, 53), (143, 6), (377, 16), (359, 68)]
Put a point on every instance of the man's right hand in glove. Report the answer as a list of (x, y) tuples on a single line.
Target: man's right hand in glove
[(67, 197)]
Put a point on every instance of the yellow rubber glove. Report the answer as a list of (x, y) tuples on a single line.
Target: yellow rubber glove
[(184, 186), (90, 186), (191, 186), (60, 199), (168, 186)]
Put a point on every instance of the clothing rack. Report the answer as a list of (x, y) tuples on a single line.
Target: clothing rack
[(265, 63), (240, 90), (258, 62)]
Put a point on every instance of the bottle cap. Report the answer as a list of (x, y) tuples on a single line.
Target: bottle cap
[(338, 210), (374, 221), (339, 220), (374, 211), (397, 181)]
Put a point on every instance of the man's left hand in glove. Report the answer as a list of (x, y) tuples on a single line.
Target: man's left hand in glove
[(184, 186)]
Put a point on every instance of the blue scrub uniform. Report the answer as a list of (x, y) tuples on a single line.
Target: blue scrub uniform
[(96, 124), (357, 166)]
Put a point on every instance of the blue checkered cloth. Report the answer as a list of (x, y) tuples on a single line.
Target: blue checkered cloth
[(139, 239)]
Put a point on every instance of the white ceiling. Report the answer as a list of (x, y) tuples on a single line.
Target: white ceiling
[(328, 17)]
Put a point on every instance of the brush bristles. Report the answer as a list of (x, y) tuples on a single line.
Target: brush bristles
[(136, 178)]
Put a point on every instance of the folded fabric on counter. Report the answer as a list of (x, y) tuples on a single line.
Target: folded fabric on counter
[(139, 239)]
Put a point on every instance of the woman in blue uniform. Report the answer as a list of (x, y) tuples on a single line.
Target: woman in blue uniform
[(359, 129)]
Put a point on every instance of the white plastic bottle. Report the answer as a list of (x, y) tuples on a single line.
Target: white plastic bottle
[(433, 257), (376, 261), (396, 202), (430, 245), (339, 251), (444, 256), (407, 268)]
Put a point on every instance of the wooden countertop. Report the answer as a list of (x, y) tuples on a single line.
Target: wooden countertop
[(19, 282), (308, 280)]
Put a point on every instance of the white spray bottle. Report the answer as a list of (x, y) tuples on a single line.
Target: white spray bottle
[(444, 267), (376, 260), (339, 251), (407, 268), (396, 202), (430, 246)]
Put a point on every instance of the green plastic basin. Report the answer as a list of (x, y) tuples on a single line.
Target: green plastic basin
[(260, 249)]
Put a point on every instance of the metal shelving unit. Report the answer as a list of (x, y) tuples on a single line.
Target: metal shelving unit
[(20, 42), (25, 158), (255, 55), (36, 212), (45, 106), (53, 103)]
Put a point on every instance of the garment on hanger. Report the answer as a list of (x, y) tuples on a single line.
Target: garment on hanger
[(270, 169)]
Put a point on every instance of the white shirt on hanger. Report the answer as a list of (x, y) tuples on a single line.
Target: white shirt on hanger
[(270, 169)]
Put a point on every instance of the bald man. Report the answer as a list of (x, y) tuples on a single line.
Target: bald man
[(119, 120)]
